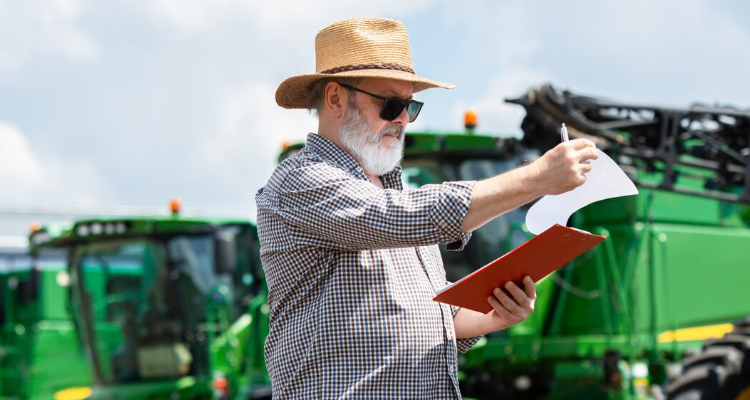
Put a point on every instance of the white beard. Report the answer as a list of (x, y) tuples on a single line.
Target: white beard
[(357, 137)]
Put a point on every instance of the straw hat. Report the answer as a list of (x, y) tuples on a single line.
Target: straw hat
[(358, 48)]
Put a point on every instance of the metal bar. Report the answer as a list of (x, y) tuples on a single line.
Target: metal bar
[(606, 312)]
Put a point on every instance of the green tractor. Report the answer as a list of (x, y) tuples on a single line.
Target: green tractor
[(39, 350), (165, 307)]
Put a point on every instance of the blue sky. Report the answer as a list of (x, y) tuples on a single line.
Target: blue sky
[(131, 102)]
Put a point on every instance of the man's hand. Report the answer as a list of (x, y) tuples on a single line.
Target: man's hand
[(561, 169), (557, 171), (508, 310)]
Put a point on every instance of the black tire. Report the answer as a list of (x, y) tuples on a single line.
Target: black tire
[(721, 370)]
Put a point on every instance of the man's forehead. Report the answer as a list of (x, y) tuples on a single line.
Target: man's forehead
[(388, 87)]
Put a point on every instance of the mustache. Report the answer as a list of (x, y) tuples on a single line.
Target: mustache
[(392, 129)]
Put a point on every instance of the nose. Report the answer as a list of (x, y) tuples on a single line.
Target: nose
[(402, 119)]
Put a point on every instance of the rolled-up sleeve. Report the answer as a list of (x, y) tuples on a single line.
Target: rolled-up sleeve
[(324, 206), (453, 204)]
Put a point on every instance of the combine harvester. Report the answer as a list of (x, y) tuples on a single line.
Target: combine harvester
[(659, 310)]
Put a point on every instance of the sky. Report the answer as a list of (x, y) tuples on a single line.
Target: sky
[(133, 102)]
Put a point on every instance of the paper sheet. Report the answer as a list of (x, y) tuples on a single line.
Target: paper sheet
[(605, 181)]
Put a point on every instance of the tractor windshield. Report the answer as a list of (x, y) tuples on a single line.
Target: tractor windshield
[(147, 306)]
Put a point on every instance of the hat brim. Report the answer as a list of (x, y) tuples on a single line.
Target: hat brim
[(295, 92)]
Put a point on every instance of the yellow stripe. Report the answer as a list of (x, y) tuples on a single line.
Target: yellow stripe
[(695, 333), (75, 393)]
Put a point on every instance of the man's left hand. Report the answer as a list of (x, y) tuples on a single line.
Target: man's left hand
[(509, 311)]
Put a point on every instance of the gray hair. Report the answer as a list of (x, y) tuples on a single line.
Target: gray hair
[(319, 90)]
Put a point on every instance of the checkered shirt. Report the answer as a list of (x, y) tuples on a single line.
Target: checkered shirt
[(351, 272)]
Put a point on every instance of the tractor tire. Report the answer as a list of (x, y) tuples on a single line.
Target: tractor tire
[(721, 370)]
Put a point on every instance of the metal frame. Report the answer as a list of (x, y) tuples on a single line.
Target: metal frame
[(663, 139)]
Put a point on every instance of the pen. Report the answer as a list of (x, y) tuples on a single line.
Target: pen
[(564, 133)]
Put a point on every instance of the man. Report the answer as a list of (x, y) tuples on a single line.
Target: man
[(351, 256)]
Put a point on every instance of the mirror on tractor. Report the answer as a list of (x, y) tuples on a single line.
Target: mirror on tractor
[(225, 258)]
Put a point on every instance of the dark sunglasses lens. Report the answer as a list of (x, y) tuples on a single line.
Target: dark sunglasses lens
[(392, 108), (413, 110)]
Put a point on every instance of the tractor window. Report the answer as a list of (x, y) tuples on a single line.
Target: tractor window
[(417, 173), (491, 240), (112, 277), (247, 277)]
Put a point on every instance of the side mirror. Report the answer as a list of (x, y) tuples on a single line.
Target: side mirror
[(225, 253)]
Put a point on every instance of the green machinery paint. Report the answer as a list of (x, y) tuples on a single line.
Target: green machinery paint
[(41, 353), (166, 307), (673, 272)]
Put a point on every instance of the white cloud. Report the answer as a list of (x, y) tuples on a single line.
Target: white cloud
[(180, 99), (288, 18), (21, 173), (669, 53), (498, 116), (32, 29), (28, 178)]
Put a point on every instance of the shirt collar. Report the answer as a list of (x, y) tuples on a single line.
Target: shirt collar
[(335, 154)]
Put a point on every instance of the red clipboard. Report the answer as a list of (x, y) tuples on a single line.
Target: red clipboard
[(538, 257)]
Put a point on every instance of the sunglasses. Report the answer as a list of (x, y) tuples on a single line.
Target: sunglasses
[(392, 107)]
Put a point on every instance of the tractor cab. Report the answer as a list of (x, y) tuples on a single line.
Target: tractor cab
[(436, 157), (156, 301)]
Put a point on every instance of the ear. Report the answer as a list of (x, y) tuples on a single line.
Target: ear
[(335, 99)]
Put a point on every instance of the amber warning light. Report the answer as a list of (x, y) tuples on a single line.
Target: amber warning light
[(470, 119), (35, 226), (175, 206)]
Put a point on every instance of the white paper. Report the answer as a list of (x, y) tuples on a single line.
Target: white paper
[(605, 181)]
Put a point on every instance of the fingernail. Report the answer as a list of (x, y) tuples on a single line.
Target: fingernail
[(497, 291), (508, 285)]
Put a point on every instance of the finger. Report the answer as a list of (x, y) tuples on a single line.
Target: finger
[(508, 303), (529, 287), (501, 310), (585, 167), (582, 143), (587, 153), (518, 294)]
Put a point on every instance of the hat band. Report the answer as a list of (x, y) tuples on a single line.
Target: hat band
[(358, 67)]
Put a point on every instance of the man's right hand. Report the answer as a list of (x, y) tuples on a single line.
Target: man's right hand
[(561, 169), (557, 171)]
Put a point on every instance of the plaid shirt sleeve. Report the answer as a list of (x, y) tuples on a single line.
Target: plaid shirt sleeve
[(324, 206)]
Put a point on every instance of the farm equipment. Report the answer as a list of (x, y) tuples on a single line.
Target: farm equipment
[(173, 307), (657, 310), (165, 306), (39, 352)]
